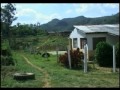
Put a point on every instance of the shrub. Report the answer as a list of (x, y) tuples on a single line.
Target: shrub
[(76, 56), (103, 54), (117, 55), (7, 60), (64, 59), (6, 52), (6, 57)]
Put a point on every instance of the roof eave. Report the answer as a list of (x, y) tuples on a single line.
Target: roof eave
[(95, 32), (114, 34)]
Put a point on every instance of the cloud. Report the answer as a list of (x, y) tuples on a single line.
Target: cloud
[(106, 8), (95, 10), (46, 18), (69, 11), (29, 15), (75, 5), (26, 12), (18, 6), (32, 13), (110, 5), (81, 8)]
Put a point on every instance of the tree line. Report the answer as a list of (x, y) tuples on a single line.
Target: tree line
[(7, 30)]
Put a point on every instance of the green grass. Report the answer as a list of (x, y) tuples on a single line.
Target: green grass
[(22, 66), (59, 76), (46, 42), (63, 77)]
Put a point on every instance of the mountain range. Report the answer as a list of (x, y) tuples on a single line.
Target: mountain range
[(66, 24)]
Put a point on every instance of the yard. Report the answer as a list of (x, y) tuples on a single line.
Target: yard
[(49, 73), (25, 46)]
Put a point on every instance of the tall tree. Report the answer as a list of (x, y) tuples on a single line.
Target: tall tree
[(8, 16)]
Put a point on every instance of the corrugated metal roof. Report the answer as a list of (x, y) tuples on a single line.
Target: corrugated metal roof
[(111, 29)]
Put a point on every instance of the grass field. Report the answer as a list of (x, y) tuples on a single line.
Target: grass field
[(58, 76), (48, 42)]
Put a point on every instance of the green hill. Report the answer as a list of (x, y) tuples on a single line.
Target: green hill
[(66, 24)]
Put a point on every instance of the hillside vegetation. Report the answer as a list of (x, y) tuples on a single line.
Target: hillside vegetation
[(66, 24)]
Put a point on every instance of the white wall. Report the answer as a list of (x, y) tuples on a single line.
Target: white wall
[(112, 40), (75, 34), (90, 39)]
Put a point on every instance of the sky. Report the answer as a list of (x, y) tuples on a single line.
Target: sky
[(29, 13)]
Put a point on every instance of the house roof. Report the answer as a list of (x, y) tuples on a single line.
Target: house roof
[(108, 28)]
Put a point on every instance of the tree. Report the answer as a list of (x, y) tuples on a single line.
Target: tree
[(7, 16)]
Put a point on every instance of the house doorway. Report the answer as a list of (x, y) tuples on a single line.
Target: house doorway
[(83, 41)]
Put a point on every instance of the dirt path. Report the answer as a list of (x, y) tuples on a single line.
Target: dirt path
[(46, 76)]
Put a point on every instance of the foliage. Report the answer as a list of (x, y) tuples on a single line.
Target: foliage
[(76, 56), (7, 14), (103, 54), (7, 17), (6, 57), (117, 55), (51, 42), (27, 29)]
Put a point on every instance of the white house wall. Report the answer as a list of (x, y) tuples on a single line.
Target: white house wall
[(76, 34), (90, 39), (112, 40)]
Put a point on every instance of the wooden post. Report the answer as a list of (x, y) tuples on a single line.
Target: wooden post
[(87, 51), (70, 43), (114, 62), (69, 58), (57, 53), (85, 58)]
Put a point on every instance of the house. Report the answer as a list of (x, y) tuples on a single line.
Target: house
[(92, 34)]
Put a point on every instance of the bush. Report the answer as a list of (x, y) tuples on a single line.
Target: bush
[(64, 59), (117, 55), (76, 56), (6, 57), (6, 52), (103, 54), (7, 60)]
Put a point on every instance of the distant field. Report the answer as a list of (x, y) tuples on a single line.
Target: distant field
[(58, 76), (48, 42)]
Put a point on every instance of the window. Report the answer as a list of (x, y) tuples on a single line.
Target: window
[(75, 43), (83, 41)]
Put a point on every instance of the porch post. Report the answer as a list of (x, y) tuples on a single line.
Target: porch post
[(114, 63), (72, 43), (69, 57), (85, 58)]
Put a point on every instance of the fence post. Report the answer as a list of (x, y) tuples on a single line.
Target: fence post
[(57, 53), (87, 51), (114, 63), (85, 58), (69, 58)]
